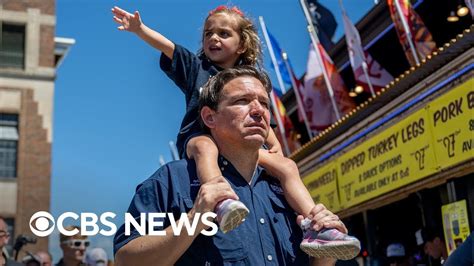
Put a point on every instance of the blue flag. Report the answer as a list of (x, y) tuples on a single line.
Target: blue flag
[(279, 58)]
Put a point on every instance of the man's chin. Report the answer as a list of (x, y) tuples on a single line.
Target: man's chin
[(255, 139)]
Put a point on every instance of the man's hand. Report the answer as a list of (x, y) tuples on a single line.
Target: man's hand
[(323, 218), (211, 193), (127, 21)]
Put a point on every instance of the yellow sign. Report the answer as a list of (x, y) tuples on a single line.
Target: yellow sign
[(435, 137), (452, 122), (322, 185), (455, 224), (399, 155)]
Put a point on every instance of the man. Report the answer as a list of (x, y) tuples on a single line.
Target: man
[(462, 255), (96, 257), (235, 109), (396, 255), (4, 238), (433, 243), (46, 258), (73, 247)]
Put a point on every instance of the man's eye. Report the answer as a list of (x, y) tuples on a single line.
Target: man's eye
[(241, 101)]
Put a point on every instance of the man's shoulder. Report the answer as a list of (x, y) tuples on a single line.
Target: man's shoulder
[(185, 165), (173, 171)]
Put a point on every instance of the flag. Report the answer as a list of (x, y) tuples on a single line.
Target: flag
[(290, 134), (470, 5), (317, 101), (324, 22), (279, 59), (298, 86), (377, 75), (417, 36)]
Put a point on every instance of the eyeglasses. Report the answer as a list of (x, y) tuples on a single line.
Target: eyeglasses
[(4, 233), (77, 243)]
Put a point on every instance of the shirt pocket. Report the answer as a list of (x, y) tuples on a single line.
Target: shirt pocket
[(223, 249), (284, 220), (228, 249)]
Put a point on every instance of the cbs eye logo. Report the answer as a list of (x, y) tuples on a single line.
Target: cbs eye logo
[(42, 223)]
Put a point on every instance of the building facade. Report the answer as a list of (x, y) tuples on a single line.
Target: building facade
[(27, 73), (404, 159)]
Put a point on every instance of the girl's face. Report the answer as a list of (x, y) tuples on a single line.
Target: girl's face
[(221, 41)]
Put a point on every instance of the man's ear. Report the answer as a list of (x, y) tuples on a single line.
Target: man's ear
[(207, 116)]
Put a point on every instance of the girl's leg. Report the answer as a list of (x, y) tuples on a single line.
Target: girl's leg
[(230, 212), (287, 172), (325, 243), (204, 152)]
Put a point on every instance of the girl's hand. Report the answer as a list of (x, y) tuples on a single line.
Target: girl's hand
[(127, 21)]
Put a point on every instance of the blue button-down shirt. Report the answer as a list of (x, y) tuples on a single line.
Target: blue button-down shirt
[(268, 236)]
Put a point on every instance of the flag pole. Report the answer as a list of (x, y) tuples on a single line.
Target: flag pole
[(174, 150), (365, 68), (407, 31), (162, 160), (272, 54), (315, 41), (297, 95), (280, 125)]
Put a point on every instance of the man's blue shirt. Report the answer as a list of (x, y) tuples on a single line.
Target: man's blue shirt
[(462, 255), (269, 235)]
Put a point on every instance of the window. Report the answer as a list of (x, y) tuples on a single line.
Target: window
[(12, 45), (8, 144)]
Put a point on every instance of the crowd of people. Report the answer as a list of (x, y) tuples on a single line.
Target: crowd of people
[(75, 252)]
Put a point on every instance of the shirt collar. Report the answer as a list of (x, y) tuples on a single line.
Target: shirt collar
[(232, 175)]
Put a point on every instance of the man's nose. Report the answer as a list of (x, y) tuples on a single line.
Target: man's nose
[(257, 109)]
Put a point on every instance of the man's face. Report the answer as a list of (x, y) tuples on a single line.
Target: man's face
[(432, 249), (75, 249), (4, 235), (45, 258), (242, 116)]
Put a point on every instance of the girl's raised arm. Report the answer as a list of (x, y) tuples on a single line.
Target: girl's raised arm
[(133, 23)]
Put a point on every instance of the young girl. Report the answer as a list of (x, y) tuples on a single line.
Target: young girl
[(229, 39)]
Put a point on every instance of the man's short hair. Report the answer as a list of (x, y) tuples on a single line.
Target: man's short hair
[(428, 234), (212, 90), (63, 238)]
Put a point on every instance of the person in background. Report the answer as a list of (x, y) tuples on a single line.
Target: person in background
[(396, 255), (96, 257), (45, 257), (74, 247), (431, 240), (4, 238)]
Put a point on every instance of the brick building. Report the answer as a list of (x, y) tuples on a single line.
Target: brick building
[(29, 54)]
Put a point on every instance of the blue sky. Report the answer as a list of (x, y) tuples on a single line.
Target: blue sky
[(115, 111)]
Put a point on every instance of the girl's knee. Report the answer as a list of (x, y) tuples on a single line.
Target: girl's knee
[(201, 144)]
